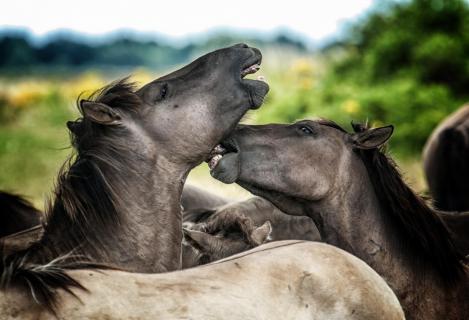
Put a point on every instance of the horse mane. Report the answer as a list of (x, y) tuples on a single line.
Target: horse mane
[(420, 229), (84, 200), (418, 225), (84, 191)]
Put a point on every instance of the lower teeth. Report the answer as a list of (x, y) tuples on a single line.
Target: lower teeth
[(214, 161)]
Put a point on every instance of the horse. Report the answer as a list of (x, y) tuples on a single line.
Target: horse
[(195, 199), (17, 214), (358, 200), (259, 210), (446, 162), (221, 237), (116, 200), (458, 225), (299, 280)]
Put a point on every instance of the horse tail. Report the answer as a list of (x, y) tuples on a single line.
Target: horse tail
[(42, 281)]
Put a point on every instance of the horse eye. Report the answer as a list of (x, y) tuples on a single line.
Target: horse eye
[(164, 91), (306, 130)]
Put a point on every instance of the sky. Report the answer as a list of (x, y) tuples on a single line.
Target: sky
[(313, 19)]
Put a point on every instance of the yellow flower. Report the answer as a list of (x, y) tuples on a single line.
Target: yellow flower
[(351, 106), (86, 83), (303, 67), (377, 123), (142, 76), (306, 84), (26, 93)]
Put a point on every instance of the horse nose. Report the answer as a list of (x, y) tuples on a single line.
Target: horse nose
[(241, 45)]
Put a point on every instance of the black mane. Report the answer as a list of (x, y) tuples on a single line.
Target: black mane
[(84, 192), (418, 225), (419, 228), (84, 207)]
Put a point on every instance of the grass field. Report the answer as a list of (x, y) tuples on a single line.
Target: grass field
[(34, 141)]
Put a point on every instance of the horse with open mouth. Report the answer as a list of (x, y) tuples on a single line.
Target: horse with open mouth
[(117, 199), (359, 202)]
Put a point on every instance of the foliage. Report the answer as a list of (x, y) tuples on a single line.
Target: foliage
[(405, 63), (19, 53)]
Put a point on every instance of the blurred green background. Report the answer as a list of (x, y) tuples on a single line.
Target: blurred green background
[(403, 62)]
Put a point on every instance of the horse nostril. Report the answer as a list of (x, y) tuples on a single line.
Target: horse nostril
[(241, 45)]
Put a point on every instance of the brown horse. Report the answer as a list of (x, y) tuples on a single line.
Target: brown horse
[(359, 202), (117, 199), (446, 162)]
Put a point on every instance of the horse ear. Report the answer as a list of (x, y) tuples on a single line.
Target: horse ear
[(100, 113), (72, 126), (372, 138), (204, 241), (262, 233)]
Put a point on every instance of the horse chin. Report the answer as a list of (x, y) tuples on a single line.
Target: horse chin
[(290, 205), (257, 90), (226, 168)]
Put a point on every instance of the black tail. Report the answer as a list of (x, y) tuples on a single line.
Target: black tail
[(43, 280)]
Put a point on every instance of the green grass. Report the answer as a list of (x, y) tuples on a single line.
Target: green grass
[(34, 141)]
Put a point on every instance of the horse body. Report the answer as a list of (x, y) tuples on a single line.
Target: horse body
[(195, 199), (359, 203), (445, 161), (203, 207), (222, 236), (281, 280), (458, 225)]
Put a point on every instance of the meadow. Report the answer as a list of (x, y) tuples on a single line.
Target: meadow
[(403, 63), (34, 141)]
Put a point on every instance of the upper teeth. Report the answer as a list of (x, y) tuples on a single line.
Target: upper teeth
[(214, 161), (251, 69), (218, 149)]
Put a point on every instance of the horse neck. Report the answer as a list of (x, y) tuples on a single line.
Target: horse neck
[(148, 217), (354, 220)]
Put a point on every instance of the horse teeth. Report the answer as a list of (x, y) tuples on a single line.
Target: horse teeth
[(218, 149), (251, 69), (261, 78), (214, 161)]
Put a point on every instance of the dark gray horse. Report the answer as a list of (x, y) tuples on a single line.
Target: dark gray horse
[(222, 236), (359, 202), (195, 199), (446, 162), (16, 214), (458, 225), (117, 201), (259, 210)]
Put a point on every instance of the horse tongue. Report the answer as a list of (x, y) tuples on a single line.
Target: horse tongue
[(252, 69)]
